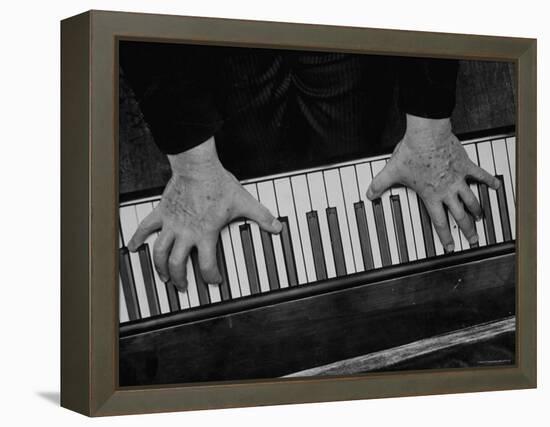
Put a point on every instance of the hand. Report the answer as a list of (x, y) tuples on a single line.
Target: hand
[(200, 199), (431, 161)]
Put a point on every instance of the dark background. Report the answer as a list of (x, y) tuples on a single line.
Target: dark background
[(485, 99)]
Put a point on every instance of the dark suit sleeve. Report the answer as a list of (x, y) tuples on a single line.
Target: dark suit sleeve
[(427, 86), (175, 88)]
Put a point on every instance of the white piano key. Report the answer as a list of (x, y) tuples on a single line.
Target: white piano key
[(485, 154), (183, 297), (463, 241), (511, 151), (472, 154), (258, 247), (129, 223), (232, 275), (122, 310), (285, 202), (214, 291), (191, 291), (266, 194), (351, 196), (407, 221), (437, 242), (377, 166), (142, 210), (302, 206), (336, 199), (364, 178), (502, 167), (455, 232), (319, 203), (416, 224), (238, 252)]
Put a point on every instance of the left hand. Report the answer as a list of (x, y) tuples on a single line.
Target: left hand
[(432, 162)]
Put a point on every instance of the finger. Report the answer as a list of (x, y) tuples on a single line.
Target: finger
[(463, 219), (483, 176), (250, 208), (441, 225), (177, 262), (161, 251), (207, 261), (470, 201), (149, 225), (382, 181)]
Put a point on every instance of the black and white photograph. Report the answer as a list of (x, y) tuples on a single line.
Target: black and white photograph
[(301, 213)]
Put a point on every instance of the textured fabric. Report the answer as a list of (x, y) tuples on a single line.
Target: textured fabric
[(278, 106), (173, 85)]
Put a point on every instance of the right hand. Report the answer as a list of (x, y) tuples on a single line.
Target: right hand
[(432, 162), (199, 200)]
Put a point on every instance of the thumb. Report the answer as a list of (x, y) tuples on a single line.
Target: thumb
[(382, 181), (252, 209), (148, 226)]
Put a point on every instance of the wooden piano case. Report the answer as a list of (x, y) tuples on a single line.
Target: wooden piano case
[(300, 328), (340, 327)]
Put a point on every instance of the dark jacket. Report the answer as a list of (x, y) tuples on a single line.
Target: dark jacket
[(279, 105)]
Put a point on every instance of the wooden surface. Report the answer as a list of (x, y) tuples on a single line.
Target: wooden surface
[(279, 339), (485, 100), (385, 359)]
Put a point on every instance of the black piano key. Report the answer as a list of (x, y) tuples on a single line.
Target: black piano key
[(128, 284), (149, 279), (487, 214), (336, 241), (381, 232), (250, 258), (288, 252), (503, 211), (316, 245), (225, 290), (364, 239), (173, 300), (202, 287), (270, 264), (399, 228), (426, 229)]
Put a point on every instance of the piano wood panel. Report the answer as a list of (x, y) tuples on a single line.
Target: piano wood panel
[(418, 350), (274, 340)]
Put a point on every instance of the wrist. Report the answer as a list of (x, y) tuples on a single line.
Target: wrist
[(423, 131), (196, 161)]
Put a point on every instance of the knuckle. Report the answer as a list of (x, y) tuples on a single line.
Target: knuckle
[(159, 253), (439, 222), (460, 216), (174, 263)]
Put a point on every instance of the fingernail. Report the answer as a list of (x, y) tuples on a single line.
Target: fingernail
[(370, 194), (164, 278), (449, 248), (473, 240), (478, 218), (497, 184), (276, 224)]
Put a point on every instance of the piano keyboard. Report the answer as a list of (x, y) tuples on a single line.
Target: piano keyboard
[(330, 229)]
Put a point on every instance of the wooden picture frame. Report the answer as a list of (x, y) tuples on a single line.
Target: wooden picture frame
[(89, 197)]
